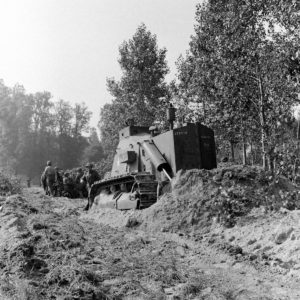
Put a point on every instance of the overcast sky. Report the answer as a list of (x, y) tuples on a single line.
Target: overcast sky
[(70, 47)]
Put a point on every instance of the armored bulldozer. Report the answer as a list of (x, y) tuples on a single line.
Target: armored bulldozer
[(145, 160)]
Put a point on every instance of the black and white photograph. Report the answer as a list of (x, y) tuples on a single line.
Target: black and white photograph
[(149, 149)]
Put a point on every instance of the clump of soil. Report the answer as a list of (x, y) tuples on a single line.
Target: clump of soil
[(201, 197)]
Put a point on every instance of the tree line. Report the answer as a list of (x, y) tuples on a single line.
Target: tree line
[(239, 76), (35, 129)]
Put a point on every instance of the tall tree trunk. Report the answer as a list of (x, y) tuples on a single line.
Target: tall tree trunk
[(243, 143), (262, 118), (232, 150), (298, 135), (244, 151), (60, 150), (252, 153)]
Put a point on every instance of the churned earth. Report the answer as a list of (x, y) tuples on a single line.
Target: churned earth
[(180, 248)]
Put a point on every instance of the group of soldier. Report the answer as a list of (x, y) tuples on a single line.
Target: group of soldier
[(56, 183)]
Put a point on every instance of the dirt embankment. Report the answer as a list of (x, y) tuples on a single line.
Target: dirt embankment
[(225, 195), (239, 212), (48, 252), (222, 234)]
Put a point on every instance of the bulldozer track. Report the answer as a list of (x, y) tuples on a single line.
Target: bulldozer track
[(143, 183)]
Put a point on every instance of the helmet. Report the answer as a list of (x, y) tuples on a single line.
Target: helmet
[(66, 173), (49, 163), (79, 170), (89, 165)]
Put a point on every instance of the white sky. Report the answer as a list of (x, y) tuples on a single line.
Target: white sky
[(70, 47)]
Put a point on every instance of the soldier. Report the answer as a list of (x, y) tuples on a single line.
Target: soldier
[(58, 182), (89, 178), (80, 186), (68, 185), (48, 178)]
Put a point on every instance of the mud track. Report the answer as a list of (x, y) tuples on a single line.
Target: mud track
[(51, 249)]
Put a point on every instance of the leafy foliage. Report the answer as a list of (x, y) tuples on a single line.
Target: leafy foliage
[(94, 152), (139, 92), (35, 129), (236, 76), (242, 189), (9, 184)]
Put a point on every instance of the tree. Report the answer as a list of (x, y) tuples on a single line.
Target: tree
[(94, 151), (93, 138), (34, 129), (63, 121), (63, 117), (139, 92), (237, 69), (112, 119), (82, 118), (16, 143), (42, 131)]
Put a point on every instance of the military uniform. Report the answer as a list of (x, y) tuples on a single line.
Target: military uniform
[(80, 186), (58, 177), (68, 186), (78, 176), (48, 179), (58, 183), (89, 178)]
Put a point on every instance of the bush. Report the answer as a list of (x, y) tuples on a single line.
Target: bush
[(9, 184)]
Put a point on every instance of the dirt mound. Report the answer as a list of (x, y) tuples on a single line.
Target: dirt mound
[(272, 237), (201, 197), (51, 249), (48, 252), (39, 251)]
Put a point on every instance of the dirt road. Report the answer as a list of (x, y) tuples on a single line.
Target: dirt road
[(51, 249)]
